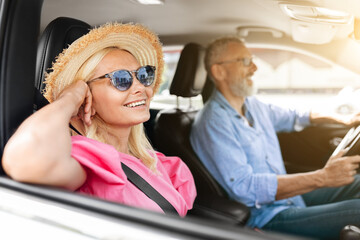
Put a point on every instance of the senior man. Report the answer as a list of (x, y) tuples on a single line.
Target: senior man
[(234, 136)]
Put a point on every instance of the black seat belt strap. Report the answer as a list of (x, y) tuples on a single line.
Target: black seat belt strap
[(40, 101), (148, 190), (74, 129)]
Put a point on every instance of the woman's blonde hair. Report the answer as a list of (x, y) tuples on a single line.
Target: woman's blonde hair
[(138, 144), (79, 60)]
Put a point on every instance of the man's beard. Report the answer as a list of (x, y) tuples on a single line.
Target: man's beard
[(242, 88)]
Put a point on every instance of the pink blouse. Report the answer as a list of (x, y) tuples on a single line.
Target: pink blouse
[(106, 179)]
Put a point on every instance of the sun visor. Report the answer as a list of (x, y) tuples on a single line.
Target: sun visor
[(317, 24), (314, 33)]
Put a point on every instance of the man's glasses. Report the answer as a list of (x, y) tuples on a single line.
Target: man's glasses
[(245, 61), (123, 79)]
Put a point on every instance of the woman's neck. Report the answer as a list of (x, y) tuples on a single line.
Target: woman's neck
[(119, 138)]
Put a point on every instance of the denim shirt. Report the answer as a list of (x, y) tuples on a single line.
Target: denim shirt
[(243, 158)]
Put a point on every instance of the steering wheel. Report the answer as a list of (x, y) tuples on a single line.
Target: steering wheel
[(351, 141)]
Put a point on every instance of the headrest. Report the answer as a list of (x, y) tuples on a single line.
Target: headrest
[(57, 35), (190, 75), (208, 89)]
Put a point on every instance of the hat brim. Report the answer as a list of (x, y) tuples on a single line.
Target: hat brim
[(134, 38)]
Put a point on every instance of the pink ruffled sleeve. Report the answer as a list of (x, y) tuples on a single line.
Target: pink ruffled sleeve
[(100, 174), (180, 177)]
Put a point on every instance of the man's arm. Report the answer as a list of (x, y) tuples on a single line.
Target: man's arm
[(338, 171), (321, 118)]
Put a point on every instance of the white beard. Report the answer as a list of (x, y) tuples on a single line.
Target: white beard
[(242, 88)]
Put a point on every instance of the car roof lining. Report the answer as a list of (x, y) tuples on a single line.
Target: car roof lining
[(333, 53)]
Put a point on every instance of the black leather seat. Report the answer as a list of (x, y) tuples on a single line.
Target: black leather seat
[(63, 31), (208, 89), (59, 34), (171, 136)]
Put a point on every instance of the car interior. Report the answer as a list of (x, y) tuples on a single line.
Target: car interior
[(171, 136), (56, 36), (24, 64), (212, 200)]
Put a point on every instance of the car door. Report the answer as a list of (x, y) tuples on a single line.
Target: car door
[(54, 211)]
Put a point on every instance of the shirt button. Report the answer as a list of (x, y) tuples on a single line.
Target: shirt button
[(266, 157), (231, 179)]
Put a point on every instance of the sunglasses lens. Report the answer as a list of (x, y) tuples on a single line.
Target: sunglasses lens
[(146, 75), (122, 80)]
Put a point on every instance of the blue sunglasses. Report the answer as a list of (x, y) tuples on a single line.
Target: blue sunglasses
[(123, 79)]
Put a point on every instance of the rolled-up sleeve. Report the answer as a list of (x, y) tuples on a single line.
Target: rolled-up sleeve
[(223, 155), (302, 120), (266, 188), (245, 158), (286, 120), (253, 189)]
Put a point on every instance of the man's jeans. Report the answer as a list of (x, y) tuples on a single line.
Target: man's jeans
[(328, 211)]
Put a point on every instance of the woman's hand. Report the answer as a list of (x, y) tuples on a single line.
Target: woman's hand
[(80, 95)]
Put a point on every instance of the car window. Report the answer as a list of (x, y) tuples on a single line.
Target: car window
[(163, 99), (285, 78), (295, 80), (171, 58)]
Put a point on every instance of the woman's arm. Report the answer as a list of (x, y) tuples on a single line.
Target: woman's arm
[(40, 150)]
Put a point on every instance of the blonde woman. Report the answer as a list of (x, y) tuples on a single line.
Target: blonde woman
[(102, 84)]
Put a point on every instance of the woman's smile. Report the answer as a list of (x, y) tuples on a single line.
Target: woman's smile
[(135, 104)]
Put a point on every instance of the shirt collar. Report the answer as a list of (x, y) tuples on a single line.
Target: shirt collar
[(221, 100)]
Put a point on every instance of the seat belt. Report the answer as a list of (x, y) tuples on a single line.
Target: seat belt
[(132, 176), (148, 190), (39, 100)]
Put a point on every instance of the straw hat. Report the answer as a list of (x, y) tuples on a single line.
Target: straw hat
[(143, 44)]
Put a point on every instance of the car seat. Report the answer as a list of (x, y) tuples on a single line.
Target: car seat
[(171, 137), (58, 34), (208, 89), (63, 31)]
